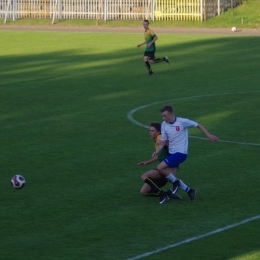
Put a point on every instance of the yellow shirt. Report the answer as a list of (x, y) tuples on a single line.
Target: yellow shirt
[(148, 36), (158, 138), (164, 153)]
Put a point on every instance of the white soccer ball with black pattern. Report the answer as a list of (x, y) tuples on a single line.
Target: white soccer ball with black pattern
[(18, 182), (234, 29)]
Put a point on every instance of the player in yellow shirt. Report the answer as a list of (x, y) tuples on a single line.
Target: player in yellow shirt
[(153, 180), (149, 54)]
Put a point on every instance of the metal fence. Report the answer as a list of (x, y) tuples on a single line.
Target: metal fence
[(115, 9), (104, 9)]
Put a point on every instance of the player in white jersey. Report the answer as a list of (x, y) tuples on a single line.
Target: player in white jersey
[(174, 130)]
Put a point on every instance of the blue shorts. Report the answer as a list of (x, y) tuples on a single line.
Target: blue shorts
[(174, 160)]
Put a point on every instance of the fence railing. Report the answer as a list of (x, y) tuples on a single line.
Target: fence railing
[(115, 9)]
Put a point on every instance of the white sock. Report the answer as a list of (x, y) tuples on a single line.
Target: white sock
[(183, 186), (171, 178)]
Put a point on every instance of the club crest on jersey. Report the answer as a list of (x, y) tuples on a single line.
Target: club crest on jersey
[(177, 128)]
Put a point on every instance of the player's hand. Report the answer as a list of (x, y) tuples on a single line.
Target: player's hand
[(213, 138), (142, 163), (139, 45), (149, 45)]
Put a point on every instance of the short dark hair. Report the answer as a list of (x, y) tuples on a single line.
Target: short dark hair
[(156, 125), (146, 21), (167, 108)]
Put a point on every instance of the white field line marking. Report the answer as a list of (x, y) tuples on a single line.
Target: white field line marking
[(194, 238), (130, 114), (130, 117), (158, 250)]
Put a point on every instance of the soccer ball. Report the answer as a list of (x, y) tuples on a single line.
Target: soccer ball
[(234, 29), (18, 182)]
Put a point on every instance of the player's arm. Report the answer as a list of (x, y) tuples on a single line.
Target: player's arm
[(155, 38), (153, 159), (141, 44), (205, 131), (162, 142), (160, 147)]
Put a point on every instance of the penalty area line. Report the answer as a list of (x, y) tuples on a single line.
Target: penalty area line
[(158, 250)]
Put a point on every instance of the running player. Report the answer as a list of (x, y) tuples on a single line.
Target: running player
[(175, 132), (149, 54)]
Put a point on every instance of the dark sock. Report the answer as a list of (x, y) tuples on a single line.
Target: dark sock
[(155, 189), (148, 66), (150, 194), (158, 60)]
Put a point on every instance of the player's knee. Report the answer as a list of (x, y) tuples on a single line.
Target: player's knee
[(158, 168), (143, 177), (161, 167), (142, 192)]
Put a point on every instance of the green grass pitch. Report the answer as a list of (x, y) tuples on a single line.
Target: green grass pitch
[(64, 104)]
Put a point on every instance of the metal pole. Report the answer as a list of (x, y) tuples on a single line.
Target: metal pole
[(218, 7)]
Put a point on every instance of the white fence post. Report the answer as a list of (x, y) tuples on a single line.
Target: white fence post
[(218, 7), (105, 10), (7, 10), (60, 9), (14, 9), (201, 10), (153, 7)]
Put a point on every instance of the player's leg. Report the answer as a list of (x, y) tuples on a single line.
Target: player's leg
[(169, 166), (154, 174), (166, 59), (146, 189), (148, 58), (147, 65), (155, 190), (164, 196), (179, 184), (172, 161), (150, 179), (161, 182), (154, 179), (169, 173)]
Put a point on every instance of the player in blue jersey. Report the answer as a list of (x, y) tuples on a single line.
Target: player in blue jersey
[(174, 130), (149, 54)]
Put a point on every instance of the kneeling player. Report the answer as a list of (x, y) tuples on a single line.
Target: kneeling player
[(153, 179)]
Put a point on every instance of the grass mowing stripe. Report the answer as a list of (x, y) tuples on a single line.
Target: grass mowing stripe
[(195, 238)]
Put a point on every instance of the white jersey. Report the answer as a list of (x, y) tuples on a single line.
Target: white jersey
[(177, 134)]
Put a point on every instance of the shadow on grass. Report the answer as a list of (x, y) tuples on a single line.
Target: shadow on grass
[(64, 118)]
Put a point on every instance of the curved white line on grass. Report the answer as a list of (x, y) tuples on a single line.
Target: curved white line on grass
[(130, 114), (158, 250)]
